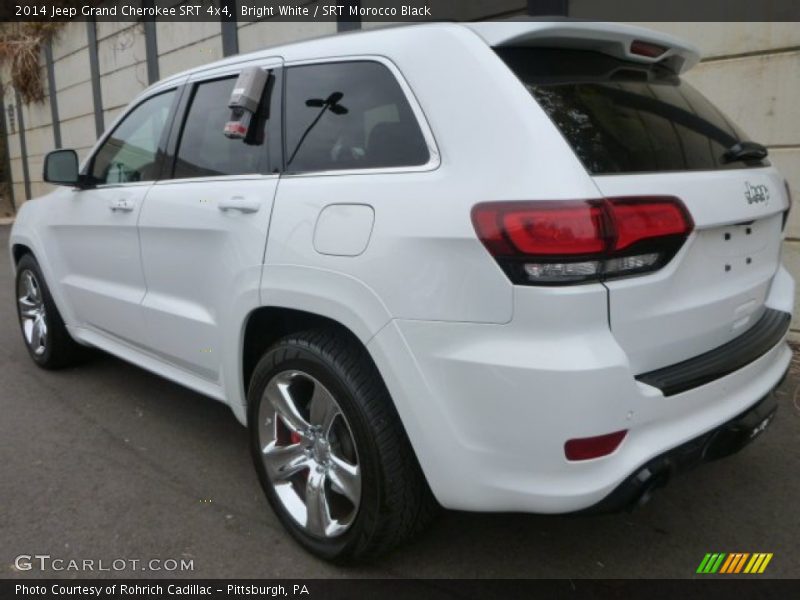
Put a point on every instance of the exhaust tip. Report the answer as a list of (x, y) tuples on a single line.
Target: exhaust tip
[(649, 483)]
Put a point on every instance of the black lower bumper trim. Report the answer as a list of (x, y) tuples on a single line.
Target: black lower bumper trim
[(724, 360), (725, 440)]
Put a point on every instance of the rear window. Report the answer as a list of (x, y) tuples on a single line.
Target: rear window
[(623, 117), (349, 115)]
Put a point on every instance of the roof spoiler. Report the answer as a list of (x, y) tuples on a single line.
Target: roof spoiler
[(625, 42)]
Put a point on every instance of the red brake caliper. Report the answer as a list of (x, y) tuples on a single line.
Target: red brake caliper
[(295, 438)]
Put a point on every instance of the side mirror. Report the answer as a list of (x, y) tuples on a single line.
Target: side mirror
[(61, 168)]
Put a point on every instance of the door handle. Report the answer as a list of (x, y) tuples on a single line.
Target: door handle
[(122, 204), (240, 203)]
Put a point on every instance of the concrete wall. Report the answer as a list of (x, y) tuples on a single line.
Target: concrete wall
[(254, 35), (122, 63), (121, 60)]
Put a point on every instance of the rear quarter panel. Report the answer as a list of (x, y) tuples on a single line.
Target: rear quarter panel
[(424, 260)]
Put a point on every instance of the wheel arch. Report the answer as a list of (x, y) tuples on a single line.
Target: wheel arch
[(25, 241), (293, 298), (267, 324), (19, 250)]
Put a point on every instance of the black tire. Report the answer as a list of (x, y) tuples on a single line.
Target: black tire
[(395, 502), (58, 350)]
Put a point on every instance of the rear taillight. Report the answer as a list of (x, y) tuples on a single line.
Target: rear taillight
[(566, 242)]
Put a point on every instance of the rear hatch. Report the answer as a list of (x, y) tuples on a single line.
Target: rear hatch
[(640, 131)]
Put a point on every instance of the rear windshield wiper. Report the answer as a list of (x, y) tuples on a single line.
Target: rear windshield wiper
[(745, 151)]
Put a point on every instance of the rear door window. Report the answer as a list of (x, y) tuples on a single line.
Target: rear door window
[(350, 115), (204, 151), (624, 117)]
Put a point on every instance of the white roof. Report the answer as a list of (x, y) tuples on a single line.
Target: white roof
[(609, 38)]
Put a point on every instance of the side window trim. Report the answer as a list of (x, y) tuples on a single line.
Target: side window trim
[(275, 123), (177, 117), (283, 166), (162, 143), (434, 158)]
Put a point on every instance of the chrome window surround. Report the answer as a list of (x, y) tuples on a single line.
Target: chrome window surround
[(434, 158)]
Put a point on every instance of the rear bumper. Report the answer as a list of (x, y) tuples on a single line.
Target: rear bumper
[(720, 442), (710, 366), (488, 408)]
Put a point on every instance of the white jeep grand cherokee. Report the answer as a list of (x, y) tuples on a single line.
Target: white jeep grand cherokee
[(507, 266)]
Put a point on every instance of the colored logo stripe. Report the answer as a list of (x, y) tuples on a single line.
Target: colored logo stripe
[(727, 564), (734, 563), (711, 563), (758, 563), (720, 562)]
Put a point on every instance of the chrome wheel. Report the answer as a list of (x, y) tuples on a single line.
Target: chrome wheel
[(32, 314), (309, 454)]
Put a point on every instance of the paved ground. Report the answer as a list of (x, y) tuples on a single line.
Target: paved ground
[(108, 461)]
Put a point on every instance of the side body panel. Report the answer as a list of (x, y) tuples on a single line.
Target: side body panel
[(423, 259), (94, 254), (87, 242), (203, 240), (199, 261), (424, 263)]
